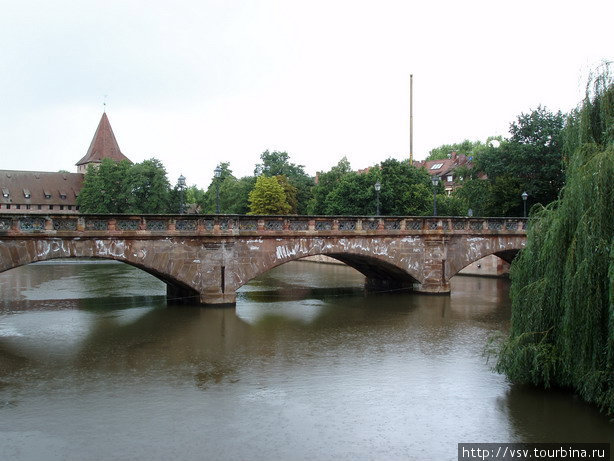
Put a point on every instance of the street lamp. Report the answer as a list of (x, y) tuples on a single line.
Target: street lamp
[(218, 174), (181, 187), (435, 181), (378, 187), (524, 201)]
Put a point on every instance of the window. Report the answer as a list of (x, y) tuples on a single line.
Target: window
[(5, 192), (61, 207), (70, 207), (40, 207), (51, 207), (77, 208), (62, 195), (8, 206), (18, 207), (47, 194), (436, 166), (27, 207), (26, 193), (450, 178)]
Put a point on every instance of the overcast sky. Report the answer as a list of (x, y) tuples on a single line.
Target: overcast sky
[(194, 83)]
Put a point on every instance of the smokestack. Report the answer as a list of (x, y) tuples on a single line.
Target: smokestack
[(411, 119)]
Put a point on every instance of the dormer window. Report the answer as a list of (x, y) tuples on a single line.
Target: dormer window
[(62, 195), (47, 194), (5, 192), (26, 193)]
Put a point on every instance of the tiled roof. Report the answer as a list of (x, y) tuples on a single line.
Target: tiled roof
[(37, 187), (444, 166), (104, 145)]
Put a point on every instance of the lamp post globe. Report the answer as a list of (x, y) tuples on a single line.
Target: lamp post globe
[(217, 173), (378, 187), (181, 187), (524, 196), (435, 182)]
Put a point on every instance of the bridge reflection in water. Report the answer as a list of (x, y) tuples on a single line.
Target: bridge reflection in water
[(336, 374), (208, 258)]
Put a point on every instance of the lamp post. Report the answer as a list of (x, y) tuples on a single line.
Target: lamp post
[(378, 187), (435, 181), (181, 187), (524, 201), (218, 174)]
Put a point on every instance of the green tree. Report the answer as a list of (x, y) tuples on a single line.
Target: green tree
[(234, 193), (268, 197), (105, 188), (533, 154), (327, 181), (290, 192), (148, 188), (404, 188), (353, 194), (450, 205), (278, 164), (562, 329), (194, 195), (122, 187), (467, 147), (477, 196)]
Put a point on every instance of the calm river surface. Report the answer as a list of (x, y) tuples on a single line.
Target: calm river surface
[(95, 366)]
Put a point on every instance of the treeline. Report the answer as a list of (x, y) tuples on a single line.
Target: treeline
[(281, 187), (532, 159)]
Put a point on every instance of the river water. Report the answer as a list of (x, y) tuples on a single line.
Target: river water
[(95, 366)]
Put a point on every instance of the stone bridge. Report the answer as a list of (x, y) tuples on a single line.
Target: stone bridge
[(208, 258)]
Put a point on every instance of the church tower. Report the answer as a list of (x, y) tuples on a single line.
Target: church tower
[(104, 145)]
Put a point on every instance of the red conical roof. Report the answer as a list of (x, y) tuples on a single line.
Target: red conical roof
[(104, 145)]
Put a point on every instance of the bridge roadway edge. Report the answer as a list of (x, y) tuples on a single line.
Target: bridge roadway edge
[(210, 257)]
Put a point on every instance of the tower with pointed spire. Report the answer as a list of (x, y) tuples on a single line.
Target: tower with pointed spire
[(103, 145), (32, 192)]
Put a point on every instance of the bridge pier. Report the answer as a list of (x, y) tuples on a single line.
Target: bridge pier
[(218, 298), (433, 288)]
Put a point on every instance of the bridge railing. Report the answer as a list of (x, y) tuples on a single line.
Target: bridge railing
[(252, 225)]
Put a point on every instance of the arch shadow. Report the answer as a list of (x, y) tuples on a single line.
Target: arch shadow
[(381, 275)]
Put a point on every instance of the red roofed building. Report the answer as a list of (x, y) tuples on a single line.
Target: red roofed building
[(104, 145), (445, 169), (50, 192)]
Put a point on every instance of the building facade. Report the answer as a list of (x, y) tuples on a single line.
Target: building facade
[(446, 168)]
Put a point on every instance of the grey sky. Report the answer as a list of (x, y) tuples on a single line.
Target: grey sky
[(194, 83)]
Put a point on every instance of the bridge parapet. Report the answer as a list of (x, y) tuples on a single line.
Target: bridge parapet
[(245, 225)]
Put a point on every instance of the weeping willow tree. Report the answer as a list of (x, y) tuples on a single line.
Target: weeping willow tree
[(562, 330)]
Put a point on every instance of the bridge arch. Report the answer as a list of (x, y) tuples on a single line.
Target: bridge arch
[(468, 251), (15, 253), (373, 261)]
